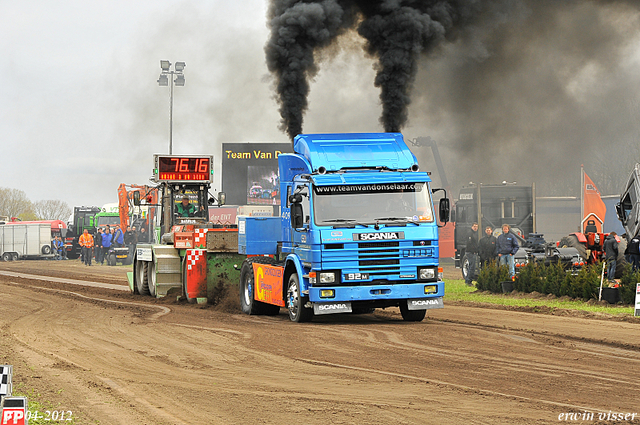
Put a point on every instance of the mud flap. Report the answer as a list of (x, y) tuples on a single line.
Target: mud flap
[(330, 308), (425, 303)]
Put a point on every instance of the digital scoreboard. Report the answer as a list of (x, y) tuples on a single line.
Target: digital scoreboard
[(183, 168)]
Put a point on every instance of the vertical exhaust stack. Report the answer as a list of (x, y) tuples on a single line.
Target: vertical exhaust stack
[(397, 33), (298, 29)]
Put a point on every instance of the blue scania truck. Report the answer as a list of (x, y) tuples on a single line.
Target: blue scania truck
[(357, 231)]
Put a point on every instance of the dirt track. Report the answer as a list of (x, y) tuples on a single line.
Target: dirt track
[(124, 359)]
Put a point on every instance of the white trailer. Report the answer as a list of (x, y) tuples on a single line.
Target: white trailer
[(29, 240)]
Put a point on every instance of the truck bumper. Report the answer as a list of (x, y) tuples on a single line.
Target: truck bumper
[(377, 292)]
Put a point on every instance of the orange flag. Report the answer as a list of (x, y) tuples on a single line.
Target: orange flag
[(593, 207)]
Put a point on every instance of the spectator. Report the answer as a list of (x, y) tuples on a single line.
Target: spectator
[(106, 244), (129, 240), (55, 247), (86, 242), (98, 243), (506, 247), (63, 249), (487, 247), (634, 253), (143, 237), (611, 253), (118, 238), (472, 253)]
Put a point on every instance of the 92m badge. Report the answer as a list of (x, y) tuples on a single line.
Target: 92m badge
[(356, 276)]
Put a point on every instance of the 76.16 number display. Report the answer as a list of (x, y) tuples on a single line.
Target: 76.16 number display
[(183, 168)]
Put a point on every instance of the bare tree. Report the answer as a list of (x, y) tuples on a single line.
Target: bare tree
[(52, 209), (14, 203)]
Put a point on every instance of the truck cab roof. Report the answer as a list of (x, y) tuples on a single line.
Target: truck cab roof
[(335, 152)]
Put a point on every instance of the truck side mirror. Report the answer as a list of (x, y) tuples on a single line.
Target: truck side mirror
[(444, 209), (297, 215), (620, 212), (136, 198), (222, 198), (296, 198)]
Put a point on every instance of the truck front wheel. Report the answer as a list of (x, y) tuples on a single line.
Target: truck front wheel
[(296, 302), (411, 315)]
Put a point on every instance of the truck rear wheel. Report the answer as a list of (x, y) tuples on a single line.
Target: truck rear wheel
[(141, 277), (248, 303), (411, 315), (296, 302), (7, 256)]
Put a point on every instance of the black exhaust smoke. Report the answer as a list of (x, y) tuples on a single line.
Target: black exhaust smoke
[(397, 33)]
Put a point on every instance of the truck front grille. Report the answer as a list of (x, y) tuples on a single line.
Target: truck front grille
[(383, 261)]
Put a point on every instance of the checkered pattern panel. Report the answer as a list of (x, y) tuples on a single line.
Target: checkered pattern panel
[(5, 380), (194, 255), (200, 238)]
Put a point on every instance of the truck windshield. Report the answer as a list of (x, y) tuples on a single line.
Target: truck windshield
[(111, 220), (370, 203)]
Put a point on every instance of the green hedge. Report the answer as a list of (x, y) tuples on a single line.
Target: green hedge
[(553, 279)]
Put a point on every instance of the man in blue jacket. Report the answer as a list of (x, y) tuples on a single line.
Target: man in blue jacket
[(106, 244), (118, 238), (506, 247)]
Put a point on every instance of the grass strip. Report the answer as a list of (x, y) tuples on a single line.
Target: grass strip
[(456, 290)]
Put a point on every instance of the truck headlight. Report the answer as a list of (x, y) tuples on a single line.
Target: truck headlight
[(427, 273), (327, 277)]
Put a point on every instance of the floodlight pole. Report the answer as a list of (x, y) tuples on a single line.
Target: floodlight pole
[(167, 71), (171, 115)]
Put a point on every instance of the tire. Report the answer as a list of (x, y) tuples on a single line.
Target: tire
[(411, 315), (151, 279), (571, 241), (184, 283), (141, 277), (46, 249), (248, 304), (464, 266), (7, 256), (74, 253), (14, 256), (111, 259), (296, 301)]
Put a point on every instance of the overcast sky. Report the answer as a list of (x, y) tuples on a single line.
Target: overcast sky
[(81, 110)]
